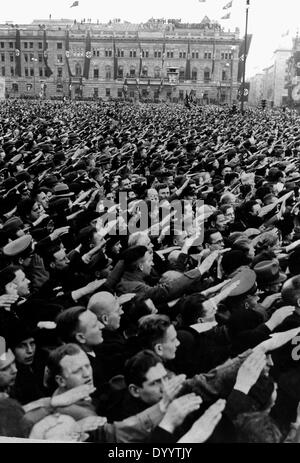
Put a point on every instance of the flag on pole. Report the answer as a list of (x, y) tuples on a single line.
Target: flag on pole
[(227, 16), (74, 4), (242, 56), (228, 5)]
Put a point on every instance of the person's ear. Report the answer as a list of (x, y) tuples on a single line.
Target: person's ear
[(134, 390), (104, 319), (158, 349), (20, 261), (52, 265), (246, 305), (80, 338), (199, 320), (298, 302), (141, 267), (60, 380)]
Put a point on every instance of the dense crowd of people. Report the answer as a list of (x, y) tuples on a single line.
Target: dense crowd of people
[(149, 273)]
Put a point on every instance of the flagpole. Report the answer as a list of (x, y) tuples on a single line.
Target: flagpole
[(245, 57)]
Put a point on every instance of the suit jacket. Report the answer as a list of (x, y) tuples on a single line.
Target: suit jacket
[(137, 428), (134, 282)]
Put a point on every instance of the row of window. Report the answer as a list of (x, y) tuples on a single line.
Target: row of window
[(24, 44), (120, 93), (121, 54), (120, 73), (28, 72), (157, 73)]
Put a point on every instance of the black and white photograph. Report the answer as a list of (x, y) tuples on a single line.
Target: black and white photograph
[(150, 225)]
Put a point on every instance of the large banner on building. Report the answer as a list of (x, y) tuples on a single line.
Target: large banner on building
[(88, 56), (2, 88), (67, 47), (48, 71), (18, 70)]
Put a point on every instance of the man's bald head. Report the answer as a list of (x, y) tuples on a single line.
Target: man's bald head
[(290, 291), (107, 309)]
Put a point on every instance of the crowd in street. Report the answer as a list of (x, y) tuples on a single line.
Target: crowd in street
[(149, 273)]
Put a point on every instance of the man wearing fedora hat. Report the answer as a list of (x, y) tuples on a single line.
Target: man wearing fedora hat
[(269, 277)]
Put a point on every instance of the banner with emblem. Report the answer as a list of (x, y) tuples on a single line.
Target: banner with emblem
[(48, 71), (88, 56), (246, 91), (242, 56), (188, 63), (67, 52), (18, 70)]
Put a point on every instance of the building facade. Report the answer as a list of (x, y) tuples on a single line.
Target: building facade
[(158, 60), (271, 84), (256, 89), (293, 76), (281, 72)]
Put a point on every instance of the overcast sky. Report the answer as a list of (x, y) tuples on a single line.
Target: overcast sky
[(268, 19)]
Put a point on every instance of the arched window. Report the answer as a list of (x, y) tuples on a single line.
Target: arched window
[(145, 71), (157, 71), (206, 75), (107, 72), (77, 70), (194, 74), (96, 72), (225, 74)]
